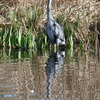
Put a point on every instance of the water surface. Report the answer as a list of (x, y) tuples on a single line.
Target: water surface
[(27, 75)]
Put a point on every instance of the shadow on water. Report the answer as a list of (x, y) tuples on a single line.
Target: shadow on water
[(53, 67)]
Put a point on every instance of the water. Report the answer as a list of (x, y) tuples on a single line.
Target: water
[(27, 75)]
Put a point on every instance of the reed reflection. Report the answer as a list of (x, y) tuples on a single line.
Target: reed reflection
[(53, 67)]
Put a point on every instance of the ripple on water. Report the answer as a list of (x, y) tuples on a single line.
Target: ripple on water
[(50, 76)]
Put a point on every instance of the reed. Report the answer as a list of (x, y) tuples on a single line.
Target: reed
[(22, 23)]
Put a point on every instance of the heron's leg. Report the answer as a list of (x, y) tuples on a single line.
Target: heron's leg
[(51, 47), (55, 47)]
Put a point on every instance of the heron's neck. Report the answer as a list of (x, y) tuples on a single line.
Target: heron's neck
[(49, 9)]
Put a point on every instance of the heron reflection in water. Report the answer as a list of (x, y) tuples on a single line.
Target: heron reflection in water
[(53, 67)]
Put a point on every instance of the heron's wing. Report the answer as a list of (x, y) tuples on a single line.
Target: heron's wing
[(58, 31), (50, 33)]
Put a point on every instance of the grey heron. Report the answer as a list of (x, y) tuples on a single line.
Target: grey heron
[(53, 29)]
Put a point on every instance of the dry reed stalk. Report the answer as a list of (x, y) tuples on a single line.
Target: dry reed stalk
[(70, 8)]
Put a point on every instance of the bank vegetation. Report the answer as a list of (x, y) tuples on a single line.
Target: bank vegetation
[(23, 22)]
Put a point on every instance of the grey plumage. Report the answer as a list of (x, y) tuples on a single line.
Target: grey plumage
[(53, 29)]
